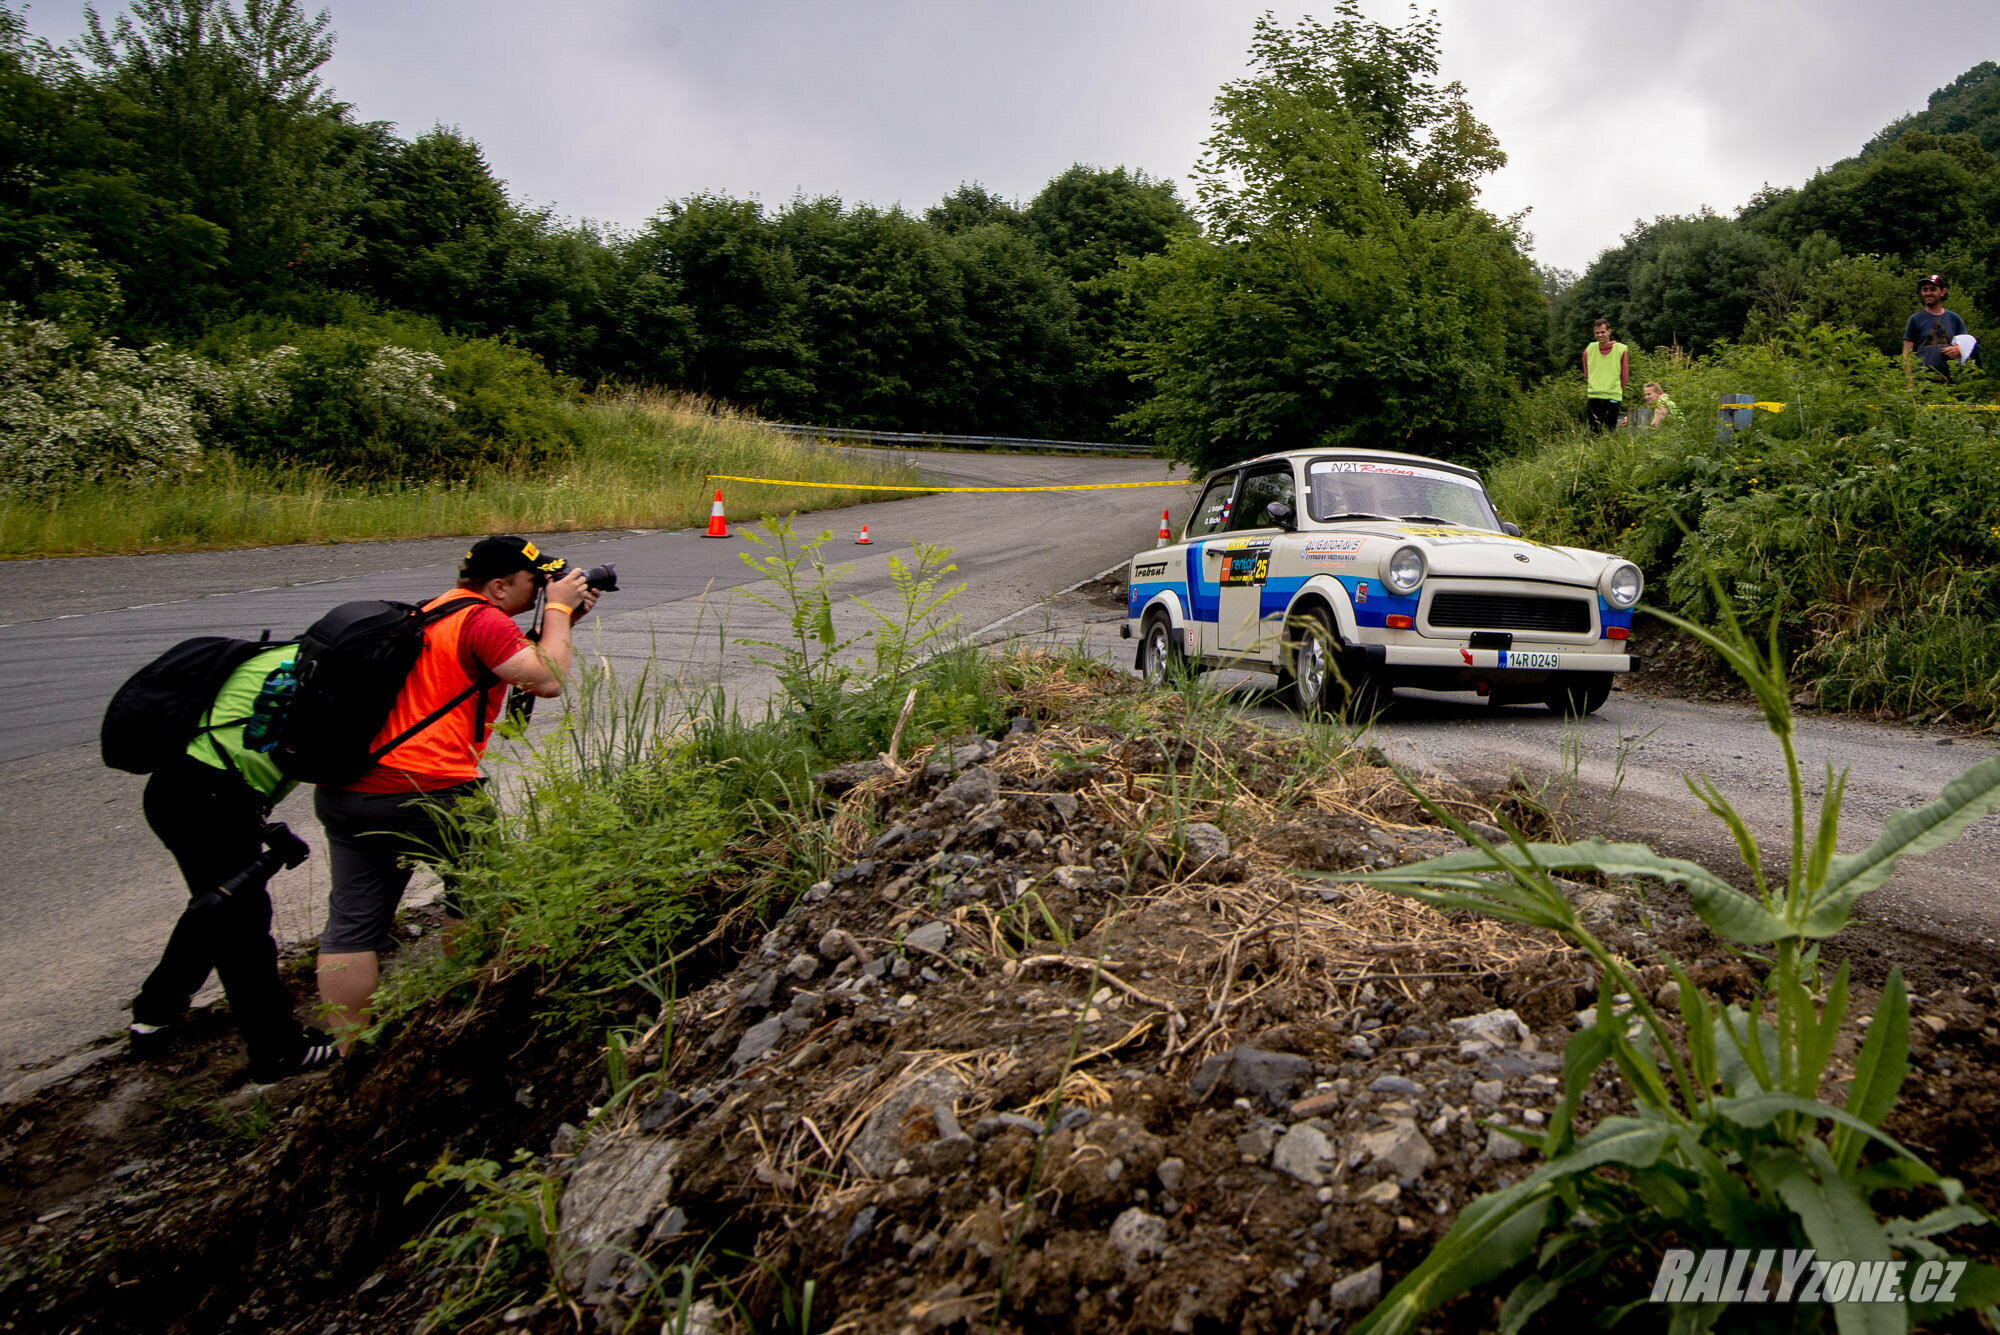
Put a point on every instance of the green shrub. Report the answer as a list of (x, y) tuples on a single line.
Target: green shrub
[(1866, 512), (388, 396)]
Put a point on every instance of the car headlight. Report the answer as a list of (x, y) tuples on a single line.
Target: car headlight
[(1404, 570), (1621, 584)]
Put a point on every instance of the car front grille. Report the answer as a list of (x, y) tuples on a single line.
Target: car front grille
[(1510, 611)]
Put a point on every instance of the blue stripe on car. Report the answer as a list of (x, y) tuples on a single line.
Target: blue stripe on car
[(1609, 616), (1204, 597), (1378, 605)]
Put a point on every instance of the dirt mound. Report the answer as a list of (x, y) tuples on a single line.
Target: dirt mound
[(1038, 1053), (1063, 1041)]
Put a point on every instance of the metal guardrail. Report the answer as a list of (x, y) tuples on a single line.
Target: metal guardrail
[(934, 440)]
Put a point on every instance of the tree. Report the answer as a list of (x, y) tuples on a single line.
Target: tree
[(229, 122), (1345, 291), (973, 206)]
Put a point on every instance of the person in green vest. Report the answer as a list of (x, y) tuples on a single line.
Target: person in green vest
[(208, 806), (1657, 400), (1607, 369)]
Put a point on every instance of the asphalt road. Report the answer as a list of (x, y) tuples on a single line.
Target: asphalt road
[(87, 896), (1623, 774)]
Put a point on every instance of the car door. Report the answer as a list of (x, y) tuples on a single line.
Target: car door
[(1245, 562), (1211, 518)]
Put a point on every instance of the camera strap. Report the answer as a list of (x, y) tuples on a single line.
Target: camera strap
[(482, 683)]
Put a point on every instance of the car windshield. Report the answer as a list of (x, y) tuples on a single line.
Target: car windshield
[(1347, 487)]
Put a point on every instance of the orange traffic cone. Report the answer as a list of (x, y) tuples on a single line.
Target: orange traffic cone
[(864, 540), (717, 526), (1166, 537)]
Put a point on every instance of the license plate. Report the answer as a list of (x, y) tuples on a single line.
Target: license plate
[(1521, 660)]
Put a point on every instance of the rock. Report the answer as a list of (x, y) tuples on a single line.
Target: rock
[(1255, 1073), (802, 967), (844, 779), (889, 838), (1139, 1236), (1170, 1172), (817, 891), (1384, 841), (1256, 1146), (1319, 1104), (1358, 1291), (1489, 1092), (1384, 1193), (1490, 833), (879, 1143), (1357, 1046), (1668, 998), (1494, 1031), (988, 1127), (932, 936), (758, 994), (1806, 699), (615, 1192), (662, 1110), (1395, 1084), (1075, 878), (1501, 1147), (1019, 724), (1064, 805), (975, 787), (1303, 1152), (758, 1040), (1400, 1147), (864, 1220), (1204, 843), (833, 945), (863, 870)]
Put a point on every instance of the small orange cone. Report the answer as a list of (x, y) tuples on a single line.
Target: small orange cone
[(717, 526), (1166, 537), (864, 540)]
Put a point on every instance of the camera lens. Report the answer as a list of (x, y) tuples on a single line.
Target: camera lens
[(603, 578)]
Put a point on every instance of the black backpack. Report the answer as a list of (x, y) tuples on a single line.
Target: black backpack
[(158, 710), (352, 663)]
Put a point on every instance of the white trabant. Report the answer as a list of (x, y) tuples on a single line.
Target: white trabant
[(1351, 572)]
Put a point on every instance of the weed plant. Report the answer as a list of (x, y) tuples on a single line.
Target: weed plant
[(1864, 517), (1739, 1137)]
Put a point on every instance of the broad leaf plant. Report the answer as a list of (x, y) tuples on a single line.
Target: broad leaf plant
[(1735, 1139)]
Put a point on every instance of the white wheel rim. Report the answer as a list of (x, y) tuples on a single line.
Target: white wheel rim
[(1312, 669), (1156, 651)]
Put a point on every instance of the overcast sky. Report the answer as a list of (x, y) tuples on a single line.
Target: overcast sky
[(605, 109)]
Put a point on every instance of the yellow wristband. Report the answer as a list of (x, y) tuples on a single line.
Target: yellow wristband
[(559, 607)]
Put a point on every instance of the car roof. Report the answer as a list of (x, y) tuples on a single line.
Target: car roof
[(1399, 457)]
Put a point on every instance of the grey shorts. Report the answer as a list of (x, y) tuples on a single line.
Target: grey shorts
[(371, 840)]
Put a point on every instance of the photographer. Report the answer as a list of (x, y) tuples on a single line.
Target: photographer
[(208, 805), (394, 811)]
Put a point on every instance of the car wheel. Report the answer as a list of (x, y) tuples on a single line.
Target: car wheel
[(1578, 694), (1161, 658), (1320, 680)]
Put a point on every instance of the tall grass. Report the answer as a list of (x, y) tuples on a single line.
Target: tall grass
[(641, 463)]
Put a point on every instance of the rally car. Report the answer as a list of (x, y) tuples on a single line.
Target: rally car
[(1351, 572)]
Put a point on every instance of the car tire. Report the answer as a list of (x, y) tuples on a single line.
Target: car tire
[(1322, 677), (1161, 659), (1578, 694)]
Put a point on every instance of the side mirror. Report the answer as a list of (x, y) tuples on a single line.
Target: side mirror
[(1511, 530), (1281, 515)]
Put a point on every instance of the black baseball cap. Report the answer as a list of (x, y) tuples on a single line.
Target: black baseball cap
[(493, 558), (1934, 279)]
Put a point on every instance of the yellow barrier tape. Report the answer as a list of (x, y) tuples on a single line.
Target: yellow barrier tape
[(869, 486), (1929, 407)]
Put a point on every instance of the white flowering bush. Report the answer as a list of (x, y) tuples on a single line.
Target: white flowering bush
[(74, 412)]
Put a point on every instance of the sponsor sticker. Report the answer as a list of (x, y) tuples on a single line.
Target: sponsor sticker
[(1150, 569), (1394, 470), (1332, 551), (1248, 567), (1361, 592)]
